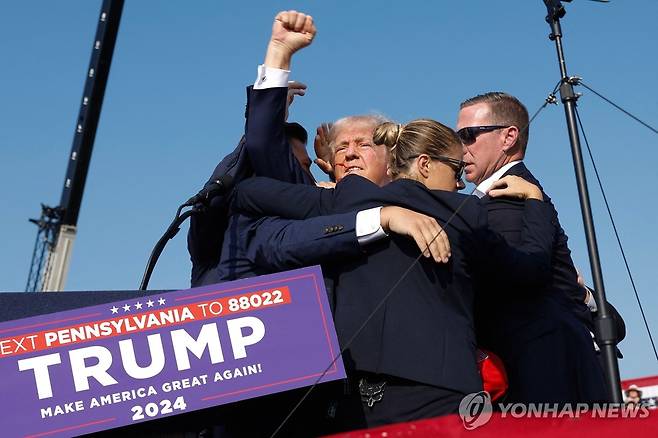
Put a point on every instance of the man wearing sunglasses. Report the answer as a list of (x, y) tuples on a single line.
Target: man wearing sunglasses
[(541, 335)]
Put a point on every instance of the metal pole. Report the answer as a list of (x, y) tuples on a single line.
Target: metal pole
[(604, 322), (83, 142)]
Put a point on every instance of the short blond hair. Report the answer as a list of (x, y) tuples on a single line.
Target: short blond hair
[(505, 110)]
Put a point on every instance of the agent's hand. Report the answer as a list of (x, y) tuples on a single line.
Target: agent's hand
[(294, 89), (426, 232), (581, 282), (323, 150), (291, 32), (515, 187)]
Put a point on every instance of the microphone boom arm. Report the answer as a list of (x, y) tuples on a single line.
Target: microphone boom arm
[(169, 234)]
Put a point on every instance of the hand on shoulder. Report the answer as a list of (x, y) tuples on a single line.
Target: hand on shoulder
[(515, 187)]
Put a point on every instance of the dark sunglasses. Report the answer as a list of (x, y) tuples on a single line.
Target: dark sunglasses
[(457, 165), (469, 134)]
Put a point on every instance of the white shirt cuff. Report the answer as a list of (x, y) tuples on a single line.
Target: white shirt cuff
[(368, 226), (270, 77), (591, 302), (596, 346)]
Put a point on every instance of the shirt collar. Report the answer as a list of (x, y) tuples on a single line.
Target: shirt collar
[(485, 185)]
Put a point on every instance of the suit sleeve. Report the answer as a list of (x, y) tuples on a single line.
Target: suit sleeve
[(529, 262), (267, 147), (277, 244), (503, 219), (268, 197), (207, 226)]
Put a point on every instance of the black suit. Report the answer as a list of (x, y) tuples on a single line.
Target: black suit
[(216, 236), (541, 334), (424, 331), (213, 239)]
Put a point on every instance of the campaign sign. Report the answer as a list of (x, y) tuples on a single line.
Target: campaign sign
[(100, 367)]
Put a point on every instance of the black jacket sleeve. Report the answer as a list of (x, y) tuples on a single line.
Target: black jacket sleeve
[(529, 262)]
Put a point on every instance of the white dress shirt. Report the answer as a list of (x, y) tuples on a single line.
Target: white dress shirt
[(270, 77), (485, 185)]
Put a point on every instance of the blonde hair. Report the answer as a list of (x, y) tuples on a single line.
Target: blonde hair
[(406, 142)]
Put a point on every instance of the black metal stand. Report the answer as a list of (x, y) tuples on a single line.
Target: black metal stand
[(52, 252), (604, 322), (90, 110), (172, 230)]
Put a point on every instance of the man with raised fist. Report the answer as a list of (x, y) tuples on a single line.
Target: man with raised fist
[(267, 146), (265, 150)]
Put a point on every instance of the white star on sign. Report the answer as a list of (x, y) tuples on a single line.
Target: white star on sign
[(114, 309), (161, 301), (149, 303), (138, 305), (126, 308)]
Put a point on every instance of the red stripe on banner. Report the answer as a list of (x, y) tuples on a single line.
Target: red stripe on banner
[(640, 381), (324, 323), (65, 429), (223, 291)]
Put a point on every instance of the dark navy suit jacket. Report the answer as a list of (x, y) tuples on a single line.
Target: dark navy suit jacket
[(213, 239), (505, 216), (424, 330), (541, 334)]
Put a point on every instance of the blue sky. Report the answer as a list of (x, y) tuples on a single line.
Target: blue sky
[(175, 100)]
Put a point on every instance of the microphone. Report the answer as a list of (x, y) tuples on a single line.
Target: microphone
[(220, 186)]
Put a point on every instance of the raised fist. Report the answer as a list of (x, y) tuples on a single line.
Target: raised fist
[(292, 30)]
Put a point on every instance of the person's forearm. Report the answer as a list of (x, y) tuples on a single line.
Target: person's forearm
[(278, 56), (277, 244), (268, 197)]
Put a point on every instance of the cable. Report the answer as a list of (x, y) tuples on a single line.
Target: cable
[(548, 100), (372, 314), (614, 227), (169, 234), (619, 108)]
